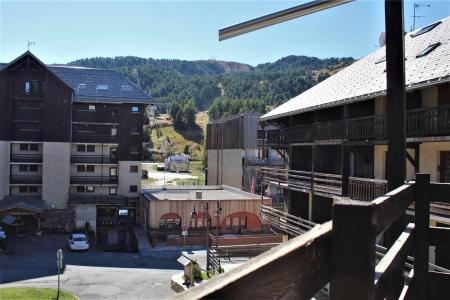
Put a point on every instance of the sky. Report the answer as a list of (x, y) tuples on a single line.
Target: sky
[(67, 30)]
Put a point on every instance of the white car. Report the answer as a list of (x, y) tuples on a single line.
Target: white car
[(78, 241)]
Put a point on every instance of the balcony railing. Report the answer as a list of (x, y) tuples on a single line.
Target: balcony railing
[(256, 161), (366, 189), (285, 222), (94, 138), (422, 122), (27, 115), (94, 117), (25, 179), (363, 189), (87, 198), (93, 159), (26, 158), (27, 136), (93, 179)]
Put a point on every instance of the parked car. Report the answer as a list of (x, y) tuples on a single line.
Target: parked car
[(78, 241)]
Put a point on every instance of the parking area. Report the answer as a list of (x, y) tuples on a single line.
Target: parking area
[(90, 275)]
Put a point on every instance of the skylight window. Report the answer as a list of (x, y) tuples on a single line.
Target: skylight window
[(82, 86), (102, 87), (426, 29), (381, 60), (428, 49), (125, 88)]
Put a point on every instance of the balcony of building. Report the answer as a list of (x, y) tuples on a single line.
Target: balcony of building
[(93, 159), (101, 117), (257, 161), (27, 135), (25, 179), (94, 138), (97, 199), (27, 115), (93, 180), (26, 158), (420, 123)]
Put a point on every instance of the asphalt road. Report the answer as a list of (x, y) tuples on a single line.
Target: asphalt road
[(89, 275)]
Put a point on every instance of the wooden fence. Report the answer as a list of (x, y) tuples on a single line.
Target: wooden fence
[(342, 252)]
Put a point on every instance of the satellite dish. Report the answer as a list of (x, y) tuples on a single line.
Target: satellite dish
[(382, 39)]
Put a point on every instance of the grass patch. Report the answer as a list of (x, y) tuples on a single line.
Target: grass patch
[(149, 180), (34, 293), (196, 168)]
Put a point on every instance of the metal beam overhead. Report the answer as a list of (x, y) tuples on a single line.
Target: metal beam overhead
[(278, 17)]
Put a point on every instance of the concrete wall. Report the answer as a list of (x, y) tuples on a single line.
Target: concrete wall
[(4, 168), (85, 213), (56, 173), (380, 163), (183, 208), (126, 178), (430, 158), (225, 167)]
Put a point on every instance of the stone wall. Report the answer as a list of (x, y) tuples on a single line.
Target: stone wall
[(58, 219)]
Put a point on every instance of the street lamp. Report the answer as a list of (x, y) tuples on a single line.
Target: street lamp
[(193, 215)]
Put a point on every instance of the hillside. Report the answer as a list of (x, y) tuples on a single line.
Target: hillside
[(229, 87)]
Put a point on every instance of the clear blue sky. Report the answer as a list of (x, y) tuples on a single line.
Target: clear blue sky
[(65, 31)]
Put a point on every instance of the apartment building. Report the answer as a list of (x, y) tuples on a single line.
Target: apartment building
[(334, 135), (235, 153), (70, 147)]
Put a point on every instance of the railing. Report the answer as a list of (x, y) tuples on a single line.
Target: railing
[(93, 179), (342, 252), (434, 121), (366, 189), (26, 158), (96, 199), (93, 159), (25, 179), (94, 138), (27, 115), (256, 161), (94, 117), (27, 136), (285, 222)]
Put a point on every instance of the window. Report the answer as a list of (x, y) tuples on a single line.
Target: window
[(33, 168), (23, 147), (81, 169), (27, 87), (23, 189), (381, 60), (133, 188), (80, 189), (102, 87), (90, 168), (90, 148), (23, 168), (113, 191), (135, 109), (426, 29), (113, 131), (82, 86), (90, 189), (33, 189), (34, 147), (134, 169), (91, 108), (428, 49), (81, 148)]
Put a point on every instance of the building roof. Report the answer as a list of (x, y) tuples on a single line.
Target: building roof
[(211, 193), (30, 203), (366, 78), (95, 85)]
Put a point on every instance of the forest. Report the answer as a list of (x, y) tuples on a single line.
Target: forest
[(223, 88)]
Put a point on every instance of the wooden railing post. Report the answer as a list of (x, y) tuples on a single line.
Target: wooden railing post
[(352, 251), (421, 238)]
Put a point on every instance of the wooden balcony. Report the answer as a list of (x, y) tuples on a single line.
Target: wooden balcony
[(424, 122), (93, 159), (27, 115), (363, 189), (342, 253), (28, 136), (94, 138), (85, 116)]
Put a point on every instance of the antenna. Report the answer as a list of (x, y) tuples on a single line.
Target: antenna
[(417, 6), (30, 43)]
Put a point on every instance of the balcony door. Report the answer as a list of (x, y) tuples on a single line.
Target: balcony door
[(113, 174), (445, 166)]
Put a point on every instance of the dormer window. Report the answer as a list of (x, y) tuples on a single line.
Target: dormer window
[(135, 109), (428, 49), (426, 29), (381, 60)]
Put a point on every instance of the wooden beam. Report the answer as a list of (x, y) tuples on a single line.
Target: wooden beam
[(439, 285), (440, 192), (352, 250), (421, 240), (392, 263), (297, 269)]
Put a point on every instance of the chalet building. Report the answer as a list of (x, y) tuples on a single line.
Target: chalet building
[(70, 147), (333, 136), (235, 154)]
